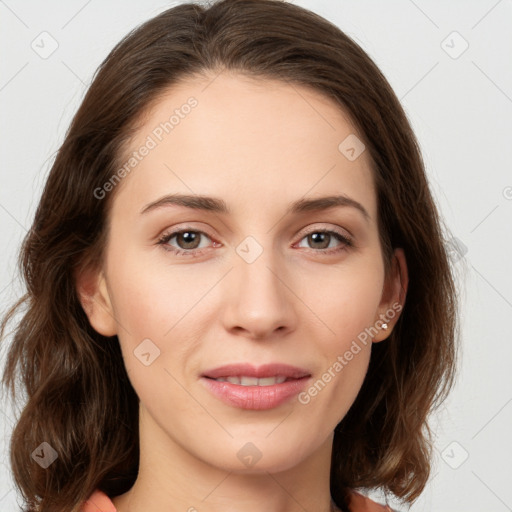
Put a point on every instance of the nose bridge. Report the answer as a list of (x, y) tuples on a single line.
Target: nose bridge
[(260, 302)]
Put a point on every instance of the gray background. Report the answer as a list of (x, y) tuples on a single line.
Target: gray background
[(459, 102)]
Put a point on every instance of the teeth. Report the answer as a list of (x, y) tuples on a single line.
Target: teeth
[(253, 381)]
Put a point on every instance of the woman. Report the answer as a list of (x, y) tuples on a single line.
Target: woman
[(186, 344)]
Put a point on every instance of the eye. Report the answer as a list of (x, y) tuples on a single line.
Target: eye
[(188, 241), (322, 238)]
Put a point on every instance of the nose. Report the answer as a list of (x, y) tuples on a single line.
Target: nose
[(260, 302)]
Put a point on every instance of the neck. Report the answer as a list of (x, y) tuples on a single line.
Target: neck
[(171, 479)]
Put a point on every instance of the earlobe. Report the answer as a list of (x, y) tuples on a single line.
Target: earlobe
[(393, 296), (94, 297)]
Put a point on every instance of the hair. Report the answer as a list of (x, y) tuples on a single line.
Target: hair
[(78, 395)]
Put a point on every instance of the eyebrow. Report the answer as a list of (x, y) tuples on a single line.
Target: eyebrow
[(217, 205)]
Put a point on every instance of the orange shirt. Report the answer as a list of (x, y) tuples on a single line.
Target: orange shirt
[(99, 502)]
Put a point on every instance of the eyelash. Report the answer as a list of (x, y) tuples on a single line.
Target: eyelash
[(166, 237)]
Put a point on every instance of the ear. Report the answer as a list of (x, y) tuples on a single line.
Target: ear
[(393, 295), (93, 294)]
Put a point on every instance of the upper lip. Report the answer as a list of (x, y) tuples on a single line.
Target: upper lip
[(249, 370)]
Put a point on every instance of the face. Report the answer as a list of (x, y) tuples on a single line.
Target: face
[(258, 275)]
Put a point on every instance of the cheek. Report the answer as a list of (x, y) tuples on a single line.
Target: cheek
[(347, 304), (346, 300), (149, 301), (157, 310), (146, 310)]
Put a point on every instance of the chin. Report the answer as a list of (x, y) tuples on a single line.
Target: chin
[(259, 455)]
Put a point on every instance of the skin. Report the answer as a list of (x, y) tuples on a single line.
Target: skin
[(258, 145)]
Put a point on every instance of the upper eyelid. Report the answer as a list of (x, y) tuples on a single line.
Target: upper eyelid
[(307, 229), (336, 229)]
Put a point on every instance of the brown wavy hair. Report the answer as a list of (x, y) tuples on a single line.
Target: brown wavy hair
[(78, 396)]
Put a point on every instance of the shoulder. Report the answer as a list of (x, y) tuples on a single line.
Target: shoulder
[(360, 503), (98, 501)]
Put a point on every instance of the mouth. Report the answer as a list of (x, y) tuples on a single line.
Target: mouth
[(246, 371), (257, 388), (254, 381)]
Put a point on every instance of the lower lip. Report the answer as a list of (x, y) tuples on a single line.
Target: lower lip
[(255, 397)]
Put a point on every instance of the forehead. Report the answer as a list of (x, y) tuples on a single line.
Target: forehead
[(252, 141)]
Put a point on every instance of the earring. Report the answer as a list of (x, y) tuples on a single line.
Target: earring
[(384, 326)]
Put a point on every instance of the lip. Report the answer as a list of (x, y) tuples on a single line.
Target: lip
[(247, 369), (255, 397)]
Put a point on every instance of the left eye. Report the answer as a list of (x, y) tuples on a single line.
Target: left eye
[(189, 240), (325, 237)]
